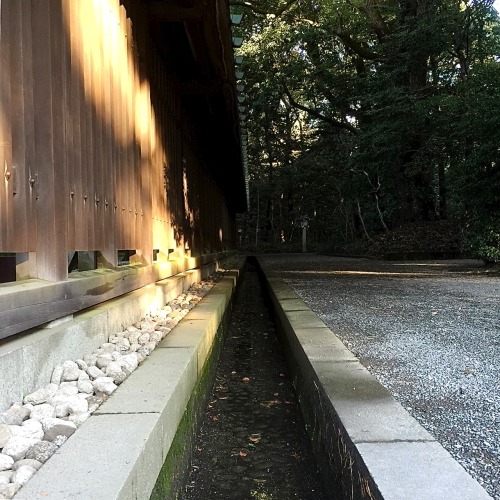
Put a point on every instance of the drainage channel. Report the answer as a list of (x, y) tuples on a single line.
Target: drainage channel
[(252, 443)]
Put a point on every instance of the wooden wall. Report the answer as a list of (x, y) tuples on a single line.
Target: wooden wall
[(95, 152)]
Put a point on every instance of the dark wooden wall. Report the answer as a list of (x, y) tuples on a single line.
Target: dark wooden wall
[(96, 153)]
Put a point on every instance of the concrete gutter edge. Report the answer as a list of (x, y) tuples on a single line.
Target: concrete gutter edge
[(119, 451), (366, 443)]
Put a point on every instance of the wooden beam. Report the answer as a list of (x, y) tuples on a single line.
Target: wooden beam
[(175, 12)]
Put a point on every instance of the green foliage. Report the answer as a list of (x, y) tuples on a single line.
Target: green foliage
[(365, 116)]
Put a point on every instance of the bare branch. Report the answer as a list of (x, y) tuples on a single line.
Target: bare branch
[(316, 113)]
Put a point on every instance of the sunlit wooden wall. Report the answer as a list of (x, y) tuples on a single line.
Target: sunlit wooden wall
[(95, 153)]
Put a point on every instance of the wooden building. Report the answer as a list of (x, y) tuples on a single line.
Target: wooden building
[(120, 149)]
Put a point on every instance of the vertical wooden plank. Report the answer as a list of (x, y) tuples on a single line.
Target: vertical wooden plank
[(49, 144), (97, 119), (5, 129), (124, 203), (76, 91), (29, 128), (131, 141), (18, 182), (111, 88), (86, 10), (67, 124)]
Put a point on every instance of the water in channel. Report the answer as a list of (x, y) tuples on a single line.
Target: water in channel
[(252, 443)]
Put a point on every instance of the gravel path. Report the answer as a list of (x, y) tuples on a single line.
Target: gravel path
[(430, 332)]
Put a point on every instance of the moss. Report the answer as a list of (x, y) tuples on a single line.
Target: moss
[(176, 466)]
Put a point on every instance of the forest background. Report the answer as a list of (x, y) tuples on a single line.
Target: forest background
[(375, 120)]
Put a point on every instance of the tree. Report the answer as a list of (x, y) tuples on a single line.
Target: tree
[(373, 108)]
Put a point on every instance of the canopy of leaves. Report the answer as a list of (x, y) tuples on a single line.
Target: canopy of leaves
[(366, 115)]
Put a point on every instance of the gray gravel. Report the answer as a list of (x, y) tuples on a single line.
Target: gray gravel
[(430, 332)]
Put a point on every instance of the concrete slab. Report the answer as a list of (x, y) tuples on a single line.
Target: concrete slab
[(321, 344), (281, 290), (366, 409), (194, 334), (211, 312), (292, 304), (105, 459), (166, 375), (409, 471), (303, 319)]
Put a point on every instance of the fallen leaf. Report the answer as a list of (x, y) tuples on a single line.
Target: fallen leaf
[(243, 453), (268, 404), (282, 374), (245, 379), (470, 371), (255, 438), (215, 418)]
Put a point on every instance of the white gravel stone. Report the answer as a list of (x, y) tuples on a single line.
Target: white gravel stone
[(107, 347), (82, 364), (123, 345), (140, 357), (134, 336), (116, 356), (5, 434), (57, 375), (30, 428), (10, 419), (41, 451), (90, 359), (70, 371), (45, 410), (156, 336), (151, 346), (7, 474), (78, 405), (54, 427), (95, 372), (94, 403), (130, 362), (104, 385), (4, 480), (20, 410), (6, 462), (79, 418), (68, 390), (9, 490), (144, 338), (17, 446), (134, 347), (64, 404), (103, 360), (60, 440), (23, 474), (36, 464), (41, 395), (84, 384), (114, 370), (165, 330), (144, 351)]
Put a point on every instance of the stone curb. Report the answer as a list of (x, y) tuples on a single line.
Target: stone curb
[(119, 451), (367, 444)]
